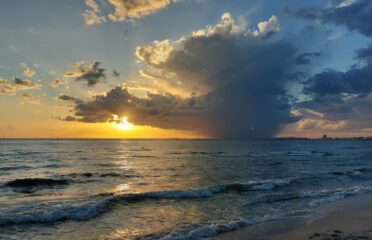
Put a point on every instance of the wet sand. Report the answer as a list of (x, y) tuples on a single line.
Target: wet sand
[(346, 219)]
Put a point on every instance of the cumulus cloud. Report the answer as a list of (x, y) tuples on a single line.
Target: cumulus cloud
[(354, 14), (268, 28), (27, 98), (224, 81), (89, 73), (228, 27), (123, 10)]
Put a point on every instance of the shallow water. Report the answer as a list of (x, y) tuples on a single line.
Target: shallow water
[(169, 189)]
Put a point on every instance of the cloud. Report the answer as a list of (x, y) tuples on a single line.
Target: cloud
[(164, 111), (124, 10), (268, 28), (320, 124), (69, 119), (357, 80), (25, 84), (227, 27), (224, 81), (115, 73), (354, 14), (68, 98), (7, 88), (343, 95), (27, 98), (93, 14), (28, 71), (305, 58), (58, 82), (91, 74)]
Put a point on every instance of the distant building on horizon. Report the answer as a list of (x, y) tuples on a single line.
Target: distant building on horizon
[(325, 136)]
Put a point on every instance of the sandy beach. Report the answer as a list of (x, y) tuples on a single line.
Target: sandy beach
[(346, 219)]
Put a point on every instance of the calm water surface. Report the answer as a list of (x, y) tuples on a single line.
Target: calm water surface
[(169, 189)]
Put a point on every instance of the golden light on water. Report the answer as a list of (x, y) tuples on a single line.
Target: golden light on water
[(123, 123)]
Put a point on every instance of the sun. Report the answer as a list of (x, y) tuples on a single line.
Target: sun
[(123, 123)]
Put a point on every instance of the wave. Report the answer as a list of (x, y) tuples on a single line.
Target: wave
[(200, 152), (71, 211), (257, 185), (331, 195), (95, 174), (173, 194), (101, 202), (289, 153), (205, 231), (98, 204), (353, 173), (14, 168), (320, 196), (35, 182)]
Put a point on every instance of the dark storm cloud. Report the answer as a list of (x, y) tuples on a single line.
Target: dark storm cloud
[(357, 80), (91, 74), (355, 15), (344, 95), (305, 58), (239, 77)]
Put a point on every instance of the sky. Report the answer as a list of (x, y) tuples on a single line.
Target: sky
[(185, 68)]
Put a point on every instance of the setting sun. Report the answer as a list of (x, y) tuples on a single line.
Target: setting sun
[(122, 123)]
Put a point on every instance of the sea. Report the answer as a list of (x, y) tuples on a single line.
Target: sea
[(170, 189)]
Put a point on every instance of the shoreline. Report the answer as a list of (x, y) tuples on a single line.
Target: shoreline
[(349, 218)]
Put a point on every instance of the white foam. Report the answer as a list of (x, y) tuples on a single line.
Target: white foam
[(209, 230), (325, 196), (271, 184)]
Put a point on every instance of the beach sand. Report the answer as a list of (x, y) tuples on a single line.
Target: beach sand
[(346, 219)]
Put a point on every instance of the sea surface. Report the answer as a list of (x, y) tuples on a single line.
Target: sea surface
[(170, 189)]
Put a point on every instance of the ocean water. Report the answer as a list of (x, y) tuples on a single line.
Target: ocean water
[(169, 189)]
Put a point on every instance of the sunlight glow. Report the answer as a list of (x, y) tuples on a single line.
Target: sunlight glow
[(123, 123)]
